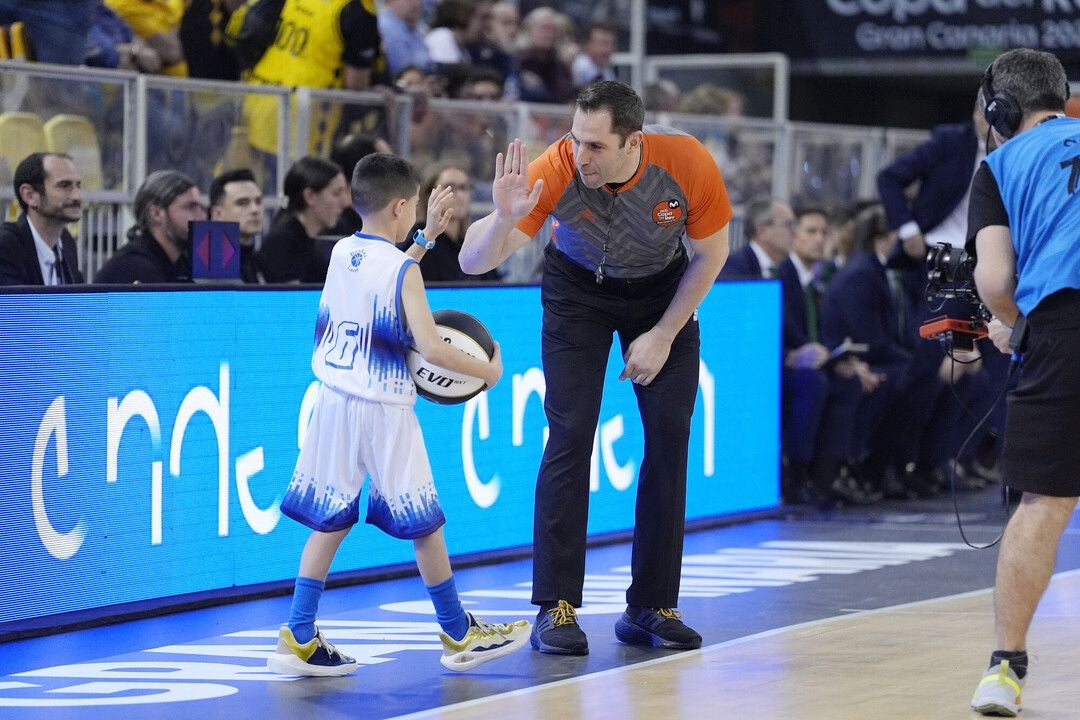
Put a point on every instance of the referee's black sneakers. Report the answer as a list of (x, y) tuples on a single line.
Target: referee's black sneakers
[(556, 631), (658, 627)]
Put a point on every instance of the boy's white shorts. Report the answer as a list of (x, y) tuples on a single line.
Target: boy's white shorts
[(350, 438)]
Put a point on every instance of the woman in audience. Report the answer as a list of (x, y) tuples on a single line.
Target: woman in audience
[(316, 193), (440, 263)]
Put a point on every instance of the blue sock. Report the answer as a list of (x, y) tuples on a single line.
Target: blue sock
[(305, 604), (448, 610)]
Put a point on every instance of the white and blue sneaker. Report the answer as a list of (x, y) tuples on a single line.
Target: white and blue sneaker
[(482, 643)]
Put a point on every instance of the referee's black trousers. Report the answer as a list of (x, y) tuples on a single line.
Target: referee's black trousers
[(579, 320)]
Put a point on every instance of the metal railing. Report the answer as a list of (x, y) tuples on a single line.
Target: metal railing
[(142, 123)]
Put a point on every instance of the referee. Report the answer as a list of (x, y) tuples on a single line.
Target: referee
[(628, 200)]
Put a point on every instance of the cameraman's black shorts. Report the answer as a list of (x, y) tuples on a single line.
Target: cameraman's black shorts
[(1042, 429)]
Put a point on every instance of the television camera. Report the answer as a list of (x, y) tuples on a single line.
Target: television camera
[(951, 288)]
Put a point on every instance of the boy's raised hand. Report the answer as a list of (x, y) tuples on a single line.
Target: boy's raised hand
[(510, 189), (439, 212)]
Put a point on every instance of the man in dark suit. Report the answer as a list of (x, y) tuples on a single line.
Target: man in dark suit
[(943, 167), (37, 249), (819, 418), (769, 225)]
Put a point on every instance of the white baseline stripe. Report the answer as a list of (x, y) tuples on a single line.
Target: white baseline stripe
[(708, 649)]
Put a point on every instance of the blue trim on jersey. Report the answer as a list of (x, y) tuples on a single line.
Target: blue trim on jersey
[(1035, 176), (365, 236), (405, 332)]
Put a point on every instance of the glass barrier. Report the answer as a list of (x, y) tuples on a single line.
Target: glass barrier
[(467, 134), (70, 110), (203, 128), (743, 149), (720, 85), (120, 127), (831, 166), (325, 118)]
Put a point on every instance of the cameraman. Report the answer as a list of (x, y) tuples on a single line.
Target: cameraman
[(1024, 223)]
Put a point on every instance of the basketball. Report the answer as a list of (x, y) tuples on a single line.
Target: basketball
[(443, 386)]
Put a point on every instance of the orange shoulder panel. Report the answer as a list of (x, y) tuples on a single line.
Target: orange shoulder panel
[(694, 168)]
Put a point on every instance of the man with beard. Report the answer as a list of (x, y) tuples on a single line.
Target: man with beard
[(157, 247), (37, 249)]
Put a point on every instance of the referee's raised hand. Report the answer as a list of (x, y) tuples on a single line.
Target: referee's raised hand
[(510, 190)]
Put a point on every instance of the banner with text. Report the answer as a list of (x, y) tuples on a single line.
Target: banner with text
[(821, 29), (149, 436)]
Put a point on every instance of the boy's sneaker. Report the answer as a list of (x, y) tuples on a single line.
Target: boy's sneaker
[(659, 627), (315, 658), (557, 632), (998, 692), (483, 642)]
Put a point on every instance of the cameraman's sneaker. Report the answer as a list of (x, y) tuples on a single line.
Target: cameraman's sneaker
[(557, 632), (998, 692), (315, 658), (659, 627), (483, 642)]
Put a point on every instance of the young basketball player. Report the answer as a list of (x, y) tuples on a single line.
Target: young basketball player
[(373, 307)]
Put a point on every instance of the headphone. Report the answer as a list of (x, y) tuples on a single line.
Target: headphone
[(1001, 110)]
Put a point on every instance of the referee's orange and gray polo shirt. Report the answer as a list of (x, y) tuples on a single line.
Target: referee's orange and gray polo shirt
[(677, 188)]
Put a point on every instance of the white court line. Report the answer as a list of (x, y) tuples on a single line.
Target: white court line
[(708, 649)]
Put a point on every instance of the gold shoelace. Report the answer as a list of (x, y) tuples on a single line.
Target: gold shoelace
[(563, 614)]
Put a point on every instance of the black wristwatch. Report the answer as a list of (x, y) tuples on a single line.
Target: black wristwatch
[(419, 239)]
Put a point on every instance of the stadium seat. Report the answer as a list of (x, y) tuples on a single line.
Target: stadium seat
[(5, 43), (21, 133), (19, 40), (76, 136)]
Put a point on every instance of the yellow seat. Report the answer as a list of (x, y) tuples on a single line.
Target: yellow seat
[(19, 38), (5, 43), (21, 133), (76, 136)]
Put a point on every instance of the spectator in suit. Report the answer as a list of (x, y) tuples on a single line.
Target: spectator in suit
[(594, 61), (157, 250), (867, 301), (236, 197), (943, 166), (770, 223), (37, 249), (804, 276), (316, 194)]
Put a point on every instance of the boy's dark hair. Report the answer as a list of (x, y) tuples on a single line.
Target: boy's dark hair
[(619, 99), (381, 178), (31, 171), (217, 185)]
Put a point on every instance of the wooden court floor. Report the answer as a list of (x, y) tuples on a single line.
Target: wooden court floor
[(908, 661), (860, 615)]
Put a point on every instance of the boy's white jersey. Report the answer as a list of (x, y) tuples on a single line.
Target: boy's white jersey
[(360, 335)]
